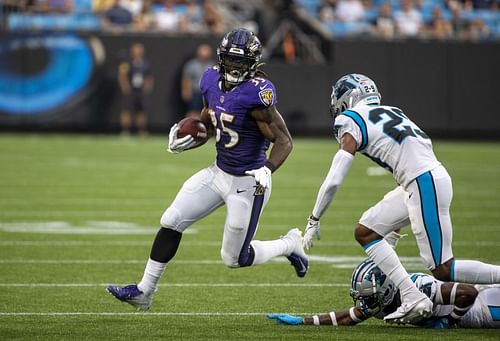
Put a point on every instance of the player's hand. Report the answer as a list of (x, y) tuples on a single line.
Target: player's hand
[(177, 145), (312, 229), (286, 319), (261, 175)]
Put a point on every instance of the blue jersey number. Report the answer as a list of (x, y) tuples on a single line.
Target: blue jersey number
[(392, 127)]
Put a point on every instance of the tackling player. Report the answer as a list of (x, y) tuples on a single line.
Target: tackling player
[(388, 137), (455, 305), (240, 110)]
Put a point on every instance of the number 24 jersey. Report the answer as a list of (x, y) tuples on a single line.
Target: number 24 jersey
[(388, 137)]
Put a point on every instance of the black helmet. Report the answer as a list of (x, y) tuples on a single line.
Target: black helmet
[(239, 55)]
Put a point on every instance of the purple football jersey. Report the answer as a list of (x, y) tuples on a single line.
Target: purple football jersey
[(239, 142)]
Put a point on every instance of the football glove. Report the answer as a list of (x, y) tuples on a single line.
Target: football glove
[(289, 320), (177, 145), (312, 229), (261, 175)]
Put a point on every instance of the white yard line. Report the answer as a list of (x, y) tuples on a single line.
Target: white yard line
[(143, 314), (177, 285), (94, 243)]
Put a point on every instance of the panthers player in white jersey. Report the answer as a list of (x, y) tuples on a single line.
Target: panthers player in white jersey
[(422, 199), (455, 305)]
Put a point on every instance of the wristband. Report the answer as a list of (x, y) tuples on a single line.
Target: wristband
[(353, 315), (334, 319), (269, 165), (312, 217), (316, 320)]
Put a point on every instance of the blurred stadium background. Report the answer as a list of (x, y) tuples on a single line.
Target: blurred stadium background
[(78, 211), (438, 59)]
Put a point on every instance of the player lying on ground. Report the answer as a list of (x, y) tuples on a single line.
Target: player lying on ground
[(423, 198), (375, 295), (240, 110)]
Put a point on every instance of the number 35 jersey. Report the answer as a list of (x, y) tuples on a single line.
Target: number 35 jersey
[(388, 137), (239, 142)]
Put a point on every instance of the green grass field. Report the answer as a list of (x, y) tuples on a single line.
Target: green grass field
[(80, 212)]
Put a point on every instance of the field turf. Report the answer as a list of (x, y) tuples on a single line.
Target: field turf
[(80, 212)]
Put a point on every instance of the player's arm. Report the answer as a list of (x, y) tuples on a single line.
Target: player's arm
[(341, 164), (349, 317), (273, 127)]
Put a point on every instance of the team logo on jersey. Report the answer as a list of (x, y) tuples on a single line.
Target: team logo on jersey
[(266, 97), (221, 99)]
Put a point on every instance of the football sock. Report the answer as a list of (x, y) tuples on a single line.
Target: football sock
[(266, 250), (152, 274), (472, 271), (163, 250), (387, 260)]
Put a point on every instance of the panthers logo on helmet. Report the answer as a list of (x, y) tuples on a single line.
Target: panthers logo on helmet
[(266, 97)]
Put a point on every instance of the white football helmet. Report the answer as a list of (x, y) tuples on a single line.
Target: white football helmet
[(352, 89), (371, 287)]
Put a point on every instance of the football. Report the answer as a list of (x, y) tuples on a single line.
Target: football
[(192, 126)]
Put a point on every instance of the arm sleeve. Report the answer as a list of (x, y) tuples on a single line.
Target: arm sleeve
[(341, 164)]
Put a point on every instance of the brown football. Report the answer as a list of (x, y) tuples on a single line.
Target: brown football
[(192, 126)]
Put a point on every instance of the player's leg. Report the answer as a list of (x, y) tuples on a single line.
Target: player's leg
[(429, 209), (386, 216), (245, 203), (195, 200)]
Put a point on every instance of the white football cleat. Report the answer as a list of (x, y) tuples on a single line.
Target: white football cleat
[(297, 257), (412, 312)]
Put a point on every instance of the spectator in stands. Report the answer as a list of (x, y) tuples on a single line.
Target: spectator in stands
[(289, 49), (384, 26), (117, 16), (327, 9), (350, 11), (53, 6), (168, 19), (193, 20), (136, 84), (478, 31), (438, 27), (190, 81), (408, 20), (212, 19), (459, 25)]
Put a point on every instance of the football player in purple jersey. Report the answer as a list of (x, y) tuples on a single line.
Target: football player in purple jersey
[(240, 112)]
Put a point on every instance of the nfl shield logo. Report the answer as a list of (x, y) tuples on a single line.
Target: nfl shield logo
[(222, 99)]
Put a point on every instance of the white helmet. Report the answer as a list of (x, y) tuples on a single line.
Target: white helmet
[(352, 89), (371, 287)]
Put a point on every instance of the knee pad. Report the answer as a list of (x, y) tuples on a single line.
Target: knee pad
[(171, 218)]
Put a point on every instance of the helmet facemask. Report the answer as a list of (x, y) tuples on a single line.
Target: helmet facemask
[(236, 69)]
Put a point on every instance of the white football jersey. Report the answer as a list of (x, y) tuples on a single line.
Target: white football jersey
[(388, 137), (485, 313)]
